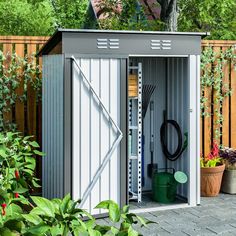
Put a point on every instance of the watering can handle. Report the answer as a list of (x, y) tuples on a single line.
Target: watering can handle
[(166, 169)]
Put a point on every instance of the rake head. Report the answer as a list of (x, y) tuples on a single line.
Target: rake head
[(147, 91)]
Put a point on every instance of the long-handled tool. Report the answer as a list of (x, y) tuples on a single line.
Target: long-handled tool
[(152, 166), (147, 91)]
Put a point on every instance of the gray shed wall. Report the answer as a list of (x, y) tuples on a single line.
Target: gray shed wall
[(178, 109), (52, 126)]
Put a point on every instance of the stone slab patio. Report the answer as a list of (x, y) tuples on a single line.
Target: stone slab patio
[(215, 216)]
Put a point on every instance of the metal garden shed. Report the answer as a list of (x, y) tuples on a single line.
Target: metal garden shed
[(106, 95)]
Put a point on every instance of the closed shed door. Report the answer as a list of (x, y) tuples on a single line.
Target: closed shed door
[(96, 134)]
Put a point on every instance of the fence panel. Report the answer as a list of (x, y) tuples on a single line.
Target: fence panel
[(228, 106), (24, 114), (27, 115)]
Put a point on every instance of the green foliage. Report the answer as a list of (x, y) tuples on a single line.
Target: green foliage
[(63, 217), (19, 17), (218, 17), (17, 165), (69, 13), (212, 64), (40, 216), (14, 71), (132, 16)]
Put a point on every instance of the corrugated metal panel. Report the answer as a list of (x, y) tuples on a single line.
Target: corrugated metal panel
[(52, 127), (178, 109), (93, 134)]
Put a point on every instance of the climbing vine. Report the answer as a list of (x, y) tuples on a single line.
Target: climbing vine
[(213, 87), (16, 73)]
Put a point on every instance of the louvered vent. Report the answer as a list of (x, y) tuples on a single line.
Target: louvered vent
[(166, 44), (114, 43), (155, 44), (102, 43), (160, 44), (108, 43)]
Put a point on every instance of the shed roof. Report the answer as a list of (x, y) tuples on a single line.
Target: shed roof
[(57, 36)]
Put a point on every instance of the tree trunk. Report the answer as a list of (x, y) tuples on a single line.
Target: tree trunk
[(169, 14)]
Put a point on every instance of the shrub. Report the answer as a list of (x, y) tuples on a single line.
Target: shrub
[(34, 216)]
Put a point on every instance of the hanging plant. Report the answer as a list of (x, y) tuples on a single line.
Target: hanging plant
[(16, 71), (212, 74)]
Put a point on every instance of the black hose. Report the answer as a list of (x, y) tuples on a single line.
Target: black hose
[(179, 150)]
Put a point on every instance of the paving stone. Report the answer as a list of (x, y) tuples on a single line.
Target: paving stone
[(221, 229), (215, 216)]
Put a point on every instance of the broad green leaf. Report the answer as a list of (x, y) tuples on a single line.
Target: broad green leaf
[(30, 162), (94, 232), (45, 205), (103, 229), (145, 222), (16, 209), (39, 229), (114, 230), (3, 153), (34, 144), (56, 202), (39, 153), (56, 230), (114, 212), (32, 218), (21, 190), (126, 209), (35, 184), (132, 232), (65, 203), (103, 205), (38, 211)]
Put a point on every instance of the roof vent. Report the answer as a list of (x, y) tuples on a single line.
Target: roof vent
[(114, 43), (157, 44), (102, 43), (108, 43), (166, 44)]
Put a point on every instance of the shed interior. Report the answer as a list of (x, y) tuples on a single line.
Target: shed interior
[(158, 91)]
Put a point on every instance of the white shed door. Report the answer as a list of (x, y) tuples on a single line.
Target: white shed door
[(96, 134)]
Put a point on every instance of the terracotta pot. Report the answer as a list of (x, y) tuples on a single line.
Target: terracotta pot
[(211, 178)]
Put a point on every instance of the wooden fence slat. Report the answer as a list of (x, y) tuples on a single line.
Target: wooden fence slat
[(225, 105), (19, 106), (7, 51), (207, 120), (233, 106), (31, 98)]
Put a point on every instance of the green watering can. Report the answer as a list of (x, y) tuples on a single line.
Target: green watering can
[(164, 184)]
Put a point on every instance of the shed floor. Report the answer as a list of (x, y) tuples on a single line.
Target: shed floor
[(147, 202)]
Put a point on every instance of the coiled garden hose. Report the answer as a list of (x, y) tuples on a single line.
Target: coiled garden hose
[(163, 136)]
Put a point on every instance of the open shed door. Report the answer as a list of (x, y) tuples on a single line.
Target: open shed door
[(96, 132)]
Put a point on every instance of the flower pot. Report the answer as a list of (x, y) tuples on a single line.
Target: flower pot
[(229, 182), (211, 178)]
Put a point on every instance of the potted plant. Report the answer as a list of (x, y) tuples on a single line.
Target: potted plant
[(229, 177), (212, 168)]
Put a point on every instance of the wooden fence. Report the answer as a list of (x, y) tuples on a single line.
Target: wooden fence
[(228, 109), (28, 115)]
